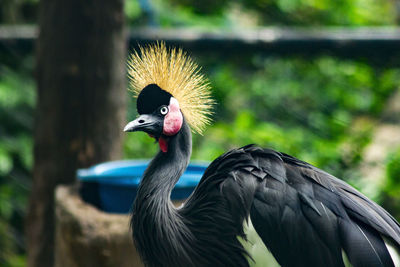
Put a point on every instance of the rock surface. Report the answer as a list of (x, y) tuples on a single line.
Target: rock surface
[(86, 236)]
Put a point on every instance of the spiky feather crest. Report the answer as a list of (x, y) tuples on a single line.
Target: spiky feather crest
[(175, 72)]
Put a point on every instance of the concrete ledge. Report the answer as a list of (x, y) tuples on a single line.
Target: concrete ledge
[(86, 236)]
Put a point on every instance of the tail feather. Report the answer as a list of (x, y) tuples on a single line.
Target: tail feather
[(394, 251), (363, 245)]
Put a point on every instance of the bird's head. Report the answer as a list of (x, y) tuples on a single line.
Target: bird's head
[(160, 116), (170, 91)]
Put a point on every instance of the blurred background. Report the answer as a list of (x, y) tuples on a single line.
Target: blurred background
[(315, 79)]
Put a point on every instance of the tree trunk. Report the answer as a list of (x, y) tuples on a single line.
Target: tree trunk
[(80, 106)]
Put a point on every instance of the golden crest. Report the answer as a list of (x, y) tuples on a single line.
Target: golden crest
[(175, 72)]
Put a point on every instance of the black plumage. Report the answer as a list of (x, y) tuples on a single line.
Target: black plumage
[(304, 216), (150, 98)]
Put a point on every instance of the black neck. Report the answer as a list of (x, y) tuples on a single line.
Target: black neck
[(166, 168), (154, 219)]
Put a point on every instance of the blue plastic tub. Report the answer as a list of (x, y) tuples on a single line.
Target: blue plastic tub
[(112, 186)]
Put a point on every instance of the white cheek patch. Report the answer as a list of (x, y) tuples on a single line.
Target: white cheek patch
[(174, 119)]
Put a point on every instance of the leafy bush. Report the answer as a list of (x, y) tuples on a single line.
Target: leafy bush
[(16, 115), (241, 13), (391, 191), (393, 173)]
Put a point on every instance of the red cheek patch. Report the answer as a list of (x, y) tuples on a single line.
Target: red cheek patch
[(174, 119)]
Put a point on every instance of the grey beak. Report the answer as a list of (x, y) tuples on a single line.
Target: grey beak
[(130, 127), (147, 123)]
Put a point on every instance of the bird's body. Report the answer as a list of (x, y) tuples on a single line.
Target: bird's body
[(305, 216), (300, 214)]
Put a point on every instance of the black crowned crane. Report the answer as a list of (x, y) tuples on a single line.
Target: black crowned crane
[(251, 202)]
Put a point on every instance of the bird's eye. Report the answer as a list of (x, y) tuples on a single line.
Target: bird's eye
[(164, 110)]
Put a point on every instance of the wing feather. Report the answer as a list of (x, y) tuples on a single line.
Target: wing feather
[(334, 211), (305, 216)]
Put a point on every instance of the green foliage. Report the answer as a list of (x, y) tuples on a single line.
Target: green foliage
[(205, 7), (225, 13), (16, 116), (390, 194), (132, 11), (324, 12), (168, 14), (393, 174), (268, 12)]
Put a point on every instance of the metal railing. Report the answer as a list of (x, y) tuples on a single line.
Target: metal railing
[(378, 45)]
